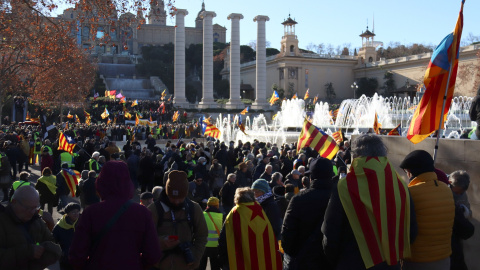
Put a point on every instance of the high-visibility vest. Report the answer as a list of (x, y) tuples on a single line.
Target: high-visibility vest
[(50, 152), (92, 167), (213, 234), (190, 172), (66, 157), (37, 148), (19, 183), (335, 169)]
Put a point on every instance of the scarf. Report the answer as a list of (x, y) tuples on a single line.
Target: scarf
[(265, 196)]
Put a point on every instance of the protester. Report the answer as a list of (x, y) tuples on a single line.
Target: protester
[(47, 186), (214, 219), (146, 198), (64, 230), (475, 115), (264, 197)]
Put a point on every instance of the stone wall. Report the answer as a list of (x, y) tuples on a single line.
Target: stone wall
[(452, 155)]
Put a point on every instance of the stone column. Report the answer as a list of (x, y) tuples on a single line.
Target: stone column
[(261, 81), (207, 76), (179, 66), (235, 102)]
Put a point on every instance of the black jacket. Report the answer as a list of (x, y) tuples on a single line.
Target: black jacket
[(227, 193), (273, 213), (243, 179), (462, 230), (301, 234), (339, 243)]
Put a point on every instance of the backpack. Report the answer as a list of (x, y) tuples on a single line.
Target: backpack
[(189, 209)]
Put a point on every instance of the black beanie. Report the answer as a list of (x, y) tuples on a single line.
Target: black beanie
[(418, 162)]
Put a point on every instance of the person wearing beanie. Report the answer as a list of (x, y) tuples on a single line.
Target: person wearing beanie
[(432, 198), (130, 243), (190, 229), (352, 235), (305, 212), (64, 230), (214, 219), (264, 196), (279, 197)]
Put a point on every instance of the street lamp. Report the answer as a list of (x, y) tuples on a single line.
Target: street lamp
[(354, 86)]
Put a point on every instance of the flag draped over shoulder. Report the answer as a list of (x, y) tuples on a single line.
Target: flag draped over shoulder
[(212, 131), (312, 136), (71, 178), (274, 98), (397, 131), (377, 204), (426, 118), (251, 243), (69, 116), (65, 143)]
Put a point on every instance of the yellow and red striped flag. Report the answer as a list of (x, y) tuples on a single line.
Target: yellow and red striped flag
[(315, 99), (69, 116), (135, 103), (109, 121), (441, 70), (137, 120), (65, 143), (251, 242), (122, 101), (274, 98), (175, 116), (244, 111), (376, 125), (377, 204), (312, 136), (71, 178), (105, 114), (164, 94), (212, 131), (151, 119), (28, 116), (397, 131), (294, 96), (337, 136), (66, 126), (306, 94), (208, 120), (77, 119)]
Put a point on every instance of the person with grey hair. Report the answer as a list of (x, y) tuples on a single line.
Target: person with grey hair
[(459, 183), (351, 230), (276, 180), (267, 174), (156, 191), (25, 240), (227, 193), (93, 163)]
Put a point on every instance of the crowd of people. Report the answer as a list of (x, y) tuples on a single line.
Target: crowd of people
[(252, 205)]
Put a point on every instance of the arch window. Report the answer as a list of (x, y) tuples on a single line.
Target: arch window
[(292, 48)]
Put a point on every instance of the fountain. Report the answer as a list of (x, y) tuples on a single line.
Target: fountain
[(354, 116)]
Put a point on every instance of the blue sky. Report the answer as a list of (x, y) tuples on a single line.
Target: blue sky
[(340, 22)]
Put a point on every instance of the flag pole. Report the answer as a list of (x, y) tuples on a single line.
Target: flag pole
[(440, 126)]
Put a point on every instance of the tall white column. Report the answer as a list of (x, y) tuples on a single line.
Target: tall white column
[(235, 101), (261, 82), (207, 76), (179, 58)]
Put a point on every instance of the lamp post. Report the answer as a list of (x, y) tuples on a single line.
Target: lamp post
[(354, 86)]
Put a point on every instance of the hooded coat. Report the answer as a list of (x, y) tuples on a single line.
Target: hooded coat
[(131, 243)]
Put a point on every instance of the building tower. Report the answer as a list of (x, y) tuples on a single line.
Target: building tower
[(157, 14), (199, 19), (289, 43), (367, 52)]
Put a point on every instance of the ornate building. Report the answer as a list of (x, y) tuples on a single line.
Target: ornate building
[(127, 37)]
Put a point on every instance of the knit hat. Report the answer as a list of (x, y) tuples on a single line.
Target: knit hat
[(321, 168), (418, 162), (71, 206), (262, 185), (213, 201), (177, 185)]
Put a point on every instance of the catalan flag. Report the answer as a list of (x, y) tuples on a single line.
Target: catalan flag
[(122, 100), (441, 70), (110, 93), (175, 116), (115, 120), (66, 143), (312, 136), (377, 204), (71, 178), (69, 116), (376, 125), (151, 119), (66, 126), (105, 114), (337, 136), (295, 96), (315, 99), (77, 119), (109, 121), (208, 120), (128, 115), (137, 120), (251, 242), (164, 94), (86, 114), (274, 98), (135, 103), (240, 125), (397, 131), (212, 131), (306, 94), (245, 111)]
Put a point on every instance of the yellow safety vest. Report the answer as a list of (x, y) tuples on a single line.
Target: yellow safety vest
[(215, 220), (66, 157), (50, 152)]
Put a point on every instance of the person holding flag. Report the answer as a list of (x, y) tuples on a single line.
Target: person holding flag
[(67, 181), (312, 136)]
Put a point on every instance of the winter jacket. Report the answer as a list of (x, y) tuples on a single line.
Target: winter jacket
[(174, 258), (46, 186), (273, 213), (16, 250), (243, 179), (301, 234), (63, 233), (435, 212), (227, 193)]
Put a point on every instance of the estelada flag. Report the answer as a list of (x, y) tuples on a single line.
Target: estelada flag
[(105, 114), (71, 178), (128, 115), (69, 116), (251, 243), (312, 136), (294, 96), (315, 99), (164, 94), (175, 116), (240, 125), (244, 111), (274, 98), (77, 119), (377, 204), (137, 120), (337, 136), (109, 121), (86, 114), (135, 103), (65, 143), (306, 94), (396, 131), (376, 125), (212, 131), (427, 116), (122, 101)]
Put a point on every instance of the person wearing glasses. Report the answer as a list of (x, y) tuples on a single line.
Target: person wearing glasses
[(25, 240)]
